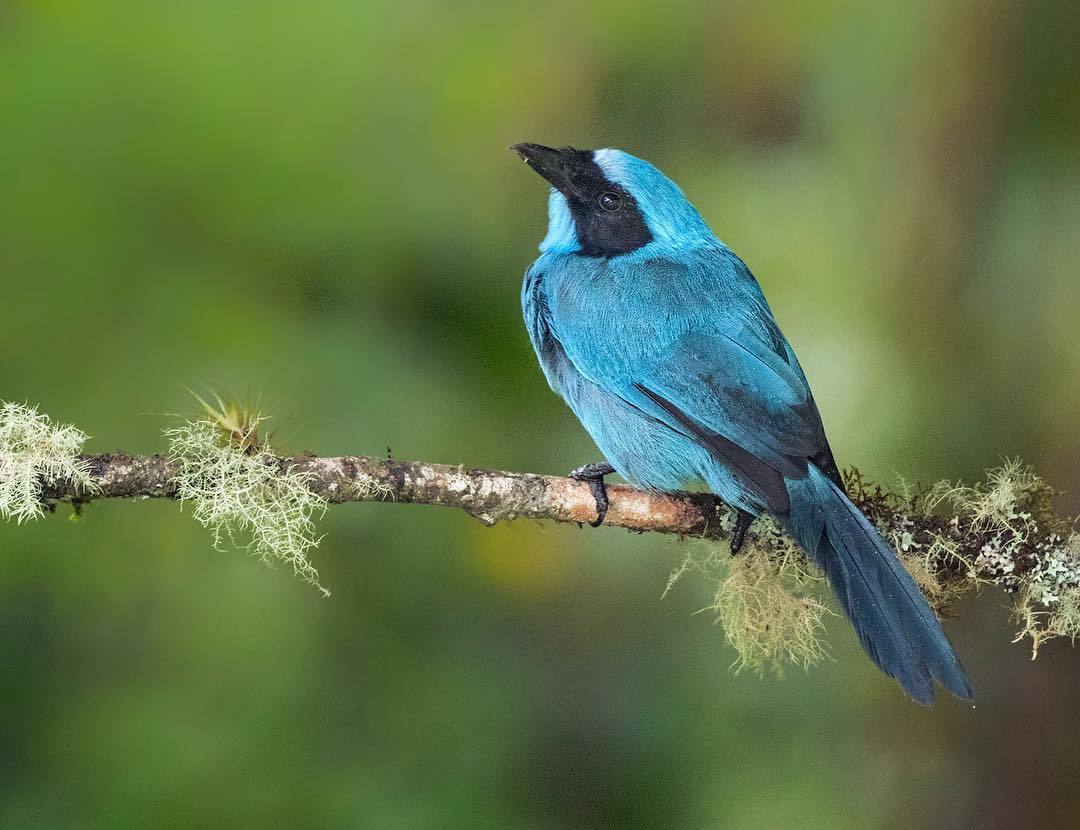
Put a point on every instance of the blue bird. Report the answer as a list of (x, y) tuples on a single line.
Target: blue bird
[(660, 340)]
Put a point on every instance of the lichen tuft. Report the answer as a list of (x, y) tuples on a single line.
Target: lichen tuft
[(238, 490), (36, 452), (368, 487), (1049, 604), (1001, 532), (764, 599), (949, 536)]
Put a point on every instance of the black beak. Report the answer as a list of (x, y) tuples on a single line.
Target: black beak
[(557, 166)]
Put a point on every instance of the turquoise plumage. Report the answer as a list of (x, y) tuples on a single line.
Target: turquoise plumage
[(662, 343)]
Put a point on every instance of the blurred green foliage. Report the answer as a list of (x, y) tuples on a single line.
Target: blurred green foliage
[(312, 200)]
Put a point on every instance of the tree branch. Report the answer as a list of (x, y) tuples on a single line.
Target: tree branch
[(952, 538), (488, 495), (958, 542)]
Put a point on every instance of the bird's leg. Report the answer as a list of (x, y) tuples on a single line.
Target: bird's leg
[(594, 474), (742, 524)]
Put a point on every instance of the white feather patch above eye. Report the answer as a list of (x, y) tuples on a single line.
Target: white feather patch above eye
[(613, 164)]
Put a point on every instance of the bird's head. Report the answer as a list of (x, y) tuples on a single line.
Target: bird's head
[(608, 203)]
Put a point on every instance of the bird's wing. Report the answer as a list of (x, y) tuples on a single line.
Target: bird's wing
[(716, 368), (736, 396)]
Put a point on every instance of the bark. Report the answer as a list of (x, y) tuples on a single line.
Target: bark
[(488, 495)]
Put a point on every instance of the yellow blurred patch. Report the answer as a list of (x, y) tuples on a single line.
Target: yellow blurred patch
[(524, 557)]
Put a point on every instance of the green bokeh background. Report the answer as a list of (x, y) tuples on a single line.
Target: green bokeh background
[(313, 200)]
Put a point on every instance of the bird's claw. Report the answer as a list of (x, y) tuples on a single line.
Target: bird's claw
[(593, 475), (738, 535)]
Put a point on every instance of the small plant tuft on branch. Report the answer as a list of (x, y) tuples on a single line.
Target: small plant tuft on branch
[(244, 494)]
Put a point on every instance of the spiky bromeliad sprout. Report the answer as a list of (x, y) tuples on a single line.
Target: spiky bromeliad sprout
[(241, 491)]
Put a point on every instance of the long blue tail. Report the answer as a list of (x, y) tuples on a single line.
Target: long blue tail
[(894, 623)]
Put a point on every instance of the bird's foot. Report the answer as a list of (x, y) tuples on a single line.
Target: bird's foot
[(593, 475), (738, 535)]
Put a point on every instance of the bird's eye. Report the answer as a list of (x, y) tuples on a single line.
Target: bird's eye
[(610, 201)]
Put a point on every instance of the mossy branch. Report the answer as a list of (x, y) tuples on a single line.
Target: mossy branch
[(952, 538), (957, 531), (490, 496)]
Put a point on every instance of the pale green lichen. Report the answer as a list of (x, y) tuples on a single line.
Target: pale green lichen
[(1048, 605), (238, 490), (926, 556), (36, 452), (1001, 532), (367, 488), (949, 536), (765, 599)]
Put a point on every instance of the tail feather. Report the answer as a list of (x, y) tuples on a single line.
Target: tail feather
[(895, 625)]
